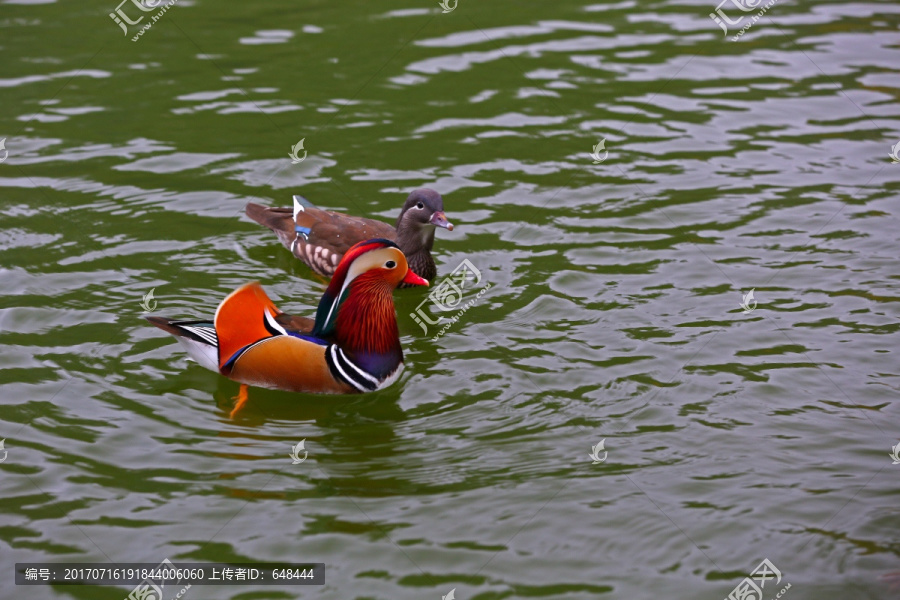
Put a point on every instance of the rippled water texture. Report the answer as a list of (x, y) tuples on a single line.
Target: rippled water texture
[(613, 314)]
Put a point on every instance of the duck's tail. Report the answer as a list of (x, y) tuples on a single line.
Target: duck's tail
[(198, 338), (279, 220)]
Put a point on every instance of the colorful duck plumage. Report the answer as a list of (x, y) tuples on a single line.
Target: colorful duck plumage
[(320, 237), (352, 346)]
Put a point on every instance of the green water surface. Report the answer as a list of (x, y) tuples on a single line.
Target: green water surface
[(613, 313)]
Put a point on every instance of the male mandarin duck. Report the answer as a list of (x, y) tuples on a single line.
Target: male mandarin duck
[(353, 344), (320, 237)]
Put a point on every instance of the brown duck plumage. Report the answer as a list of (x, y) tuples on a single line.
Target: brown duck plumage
[(321, 237)]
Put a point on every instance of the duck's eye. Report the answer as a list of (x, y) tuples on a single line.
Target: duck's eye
[(390, 264), (420, 206)]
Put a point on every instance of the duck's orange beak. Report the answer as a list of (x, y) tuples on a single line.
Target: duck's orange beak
[(439, 219), (412, 279)]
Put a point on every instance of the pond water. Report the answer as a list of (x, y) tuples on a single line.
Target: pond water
[(621, 174)]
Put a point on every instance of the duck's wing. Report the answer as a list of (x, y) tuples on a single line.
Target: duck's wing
[(318, 237), (260, 345), (294, 324), (323, 236), (246, 317)]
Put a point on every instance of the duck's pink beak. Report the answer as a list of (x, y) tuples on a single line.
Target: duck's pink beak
[(439, 219), (413, 279)]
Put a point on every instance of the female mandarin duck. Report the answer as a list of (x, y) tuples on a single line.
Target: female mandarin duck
[(320, 237), (353, 345)]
